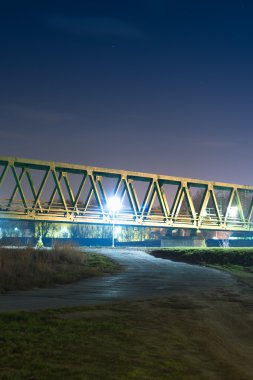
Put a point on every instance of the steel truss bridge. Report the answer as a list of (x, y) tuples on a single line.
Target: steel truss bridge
[(59, 192)]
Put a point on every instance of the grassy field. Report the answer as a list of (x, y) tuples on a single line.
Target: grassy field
[(174, 338), (116, 342), (237, 259), (22, 269)]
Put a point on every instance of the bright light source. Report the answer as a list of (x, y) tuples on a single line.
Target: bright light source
[(114, 204), (233, 212)]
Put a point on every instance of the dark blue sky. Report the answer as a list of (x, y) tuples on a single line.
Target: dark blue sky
[(150, 85)]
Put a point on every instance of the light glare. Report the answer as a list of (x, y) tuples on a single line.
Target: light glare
[(114, 204)]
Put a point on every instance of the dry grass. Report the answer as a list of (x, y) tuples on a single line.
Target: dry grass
[(22, 269)]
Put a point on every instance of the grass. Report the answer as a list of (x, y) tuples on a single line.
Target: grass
[(173, 338), (22, 269), (114, 342), (234, 258), (236, 261)]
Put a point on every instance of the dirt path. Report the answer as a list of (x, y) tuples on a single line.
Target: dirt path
[(143, 277)]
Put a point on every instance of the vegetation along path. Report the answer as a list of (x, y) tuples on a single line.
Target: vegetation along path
[(143, 276)]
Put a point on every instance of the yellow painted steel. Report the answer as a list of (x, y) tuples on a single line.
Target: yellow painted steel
[(41, 190)]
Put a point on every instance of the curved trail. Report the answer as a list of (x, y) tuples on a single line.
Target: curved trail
[(143, 277)]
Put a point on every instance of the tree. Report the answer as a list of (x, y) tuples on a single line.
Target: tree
[(45, 229)]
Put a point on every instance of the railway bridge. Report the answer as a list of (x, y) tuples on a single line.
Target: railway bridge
[(60, 192)]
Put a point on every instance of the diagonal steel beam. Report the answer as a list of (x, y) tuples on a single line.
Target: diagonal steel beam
[(38, 195), (69, 189), (156, 191), (33, 189), (51, 200), (203, 206), (230, 199), (160, 198), (59, 190), (88, 199), (239, 206), (95, 190), (116, 190), (16, 188), (212, 193), (103, 195), (190, 204), (130, 196), (4, 172), (177, 201), (144, 206), (165, 202), (79, 192), (19, 186), (134, 196)]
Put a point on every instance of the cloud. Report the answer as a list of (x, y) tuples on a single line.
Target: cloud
[(95, 27)]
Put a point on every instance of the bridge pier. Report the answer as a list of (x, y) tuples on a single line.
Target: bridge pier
[(183, 241)]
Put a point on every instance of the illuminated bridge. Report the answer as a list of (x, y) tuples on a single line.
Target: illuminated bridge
[(59, 192)]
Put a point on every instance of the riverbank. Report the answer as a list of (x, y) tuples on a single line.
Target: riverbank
[(23, 269)]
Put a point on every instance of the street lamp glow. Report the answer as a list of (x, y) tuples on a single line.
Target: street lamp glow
[(114, 204)]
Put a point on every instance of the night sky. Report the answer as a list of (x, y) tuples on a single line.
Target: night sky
[(150, 85)]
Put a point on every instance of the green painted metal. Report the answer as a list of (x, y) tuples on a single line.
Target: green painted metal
[(41, 190)]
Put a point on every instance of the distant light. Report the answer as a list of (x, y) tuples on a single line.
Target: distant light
[(118, 230), (16, 229), (233, 212), (114, 204), (64, 230)]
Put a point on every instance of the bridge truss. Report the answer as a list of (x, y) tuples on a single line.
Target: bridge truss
[(59, 192)]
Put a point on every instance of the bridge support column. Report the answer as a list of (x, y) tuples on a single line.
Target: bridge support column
[(181, 241)]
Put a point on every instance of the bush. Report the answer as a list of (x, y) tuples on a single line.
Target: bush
[(25, 268), (222, 256)]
